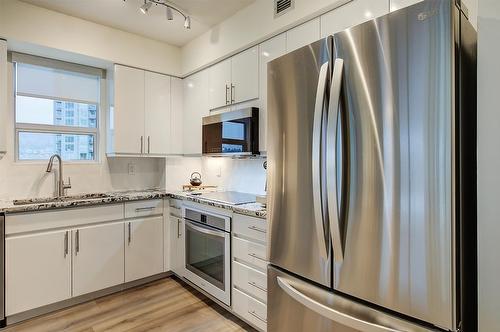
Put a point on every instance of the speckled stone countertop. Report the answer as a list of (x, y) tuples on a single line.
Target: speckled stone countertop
[(40, 204)]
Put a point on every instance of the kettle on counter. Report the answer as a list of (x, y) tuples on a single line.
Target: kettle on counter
[(195, 179)]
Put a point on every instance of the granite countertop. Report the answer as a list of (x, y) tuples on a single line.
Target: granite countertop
[(40, 204)]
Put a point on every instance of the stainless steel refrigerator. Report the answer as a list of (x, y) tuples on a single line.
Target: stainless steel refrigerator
[(371, 175)]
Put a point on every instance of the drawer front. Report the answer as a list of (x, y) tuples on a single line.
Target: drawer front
[(143, 208), (176, 212), (253, 228), (250, 253), (175, 203), (250, 309), (251, 281)]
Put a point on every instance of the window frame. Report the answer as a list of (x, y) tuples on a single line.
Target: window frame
[(20, 127)]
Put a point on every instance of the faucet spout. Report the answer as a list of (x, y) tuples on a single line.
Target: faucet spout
[(61, 186)]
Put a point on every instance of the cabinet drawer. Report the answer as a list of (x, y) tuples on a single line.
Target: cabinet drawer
[(250, 309), (143, 208), (250, 252), (253, 228), (250, 280)]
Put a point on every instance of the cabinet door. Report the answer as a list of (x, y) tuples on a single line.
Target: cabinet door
[(195, 108), (398, 4), (98, 260), (177, 245), (353, 13), (37, 270), (143, 248), (303, 35), (128, 113), (269, 50), (219, 84), (167, 256), (176, 114), (157, 114), (245, 75)]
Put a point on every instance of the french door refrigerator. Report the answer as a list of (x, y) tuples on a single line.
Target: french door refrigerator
[(371, 174)]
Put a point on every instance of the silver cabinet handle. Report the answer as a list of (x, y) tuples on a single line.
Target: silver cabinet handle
[(316, 160), (253, 313), (255, 256), (179, 234), (129, 233), (227, 92), (149, 208), (77, 242), (149, 144), (142, 144), (253, 284), (257, 229), (233, 92), (331, 160), (66, 243)]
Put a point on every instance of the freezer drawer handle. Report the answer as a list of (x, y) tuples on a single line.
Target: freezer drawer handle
[(253, 284), (253, 313), (257, 229), (332, 314), (316, 159), (331, 161)]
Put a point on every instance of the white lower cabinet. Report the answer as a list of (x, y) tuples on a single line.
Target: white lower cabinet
[(98, 260), (249, 269), (37, 270), (177, 248), (143, 248)]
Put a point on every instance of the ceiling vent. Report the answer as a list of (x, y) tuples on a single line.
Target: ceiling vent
[(282, 6)]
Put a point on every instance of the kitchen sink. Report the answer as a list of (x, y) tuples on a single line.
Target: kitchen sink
[(59, 199)]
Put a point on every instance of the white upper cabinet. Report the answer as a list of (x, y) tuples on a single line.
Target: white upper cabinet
[(269, 50), (303, 35), (245, 75), (234, 80), (98, 260), (219, 84), (127, 118), (176, 116), (37, 270), (398, 4), (157, 114), (140, 113), (195, 108), (353, 13)]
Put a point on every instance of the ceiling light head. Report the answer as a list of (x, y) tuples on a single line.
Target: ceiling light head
[(187, 22), (145, 7), (170, 14)]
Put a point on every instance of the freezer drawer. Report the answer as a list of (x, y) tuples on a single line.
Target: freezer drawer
[(296, 306)]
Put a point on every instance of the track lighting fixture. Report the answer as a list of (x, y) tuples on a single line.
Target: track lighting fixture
[(144, 8)]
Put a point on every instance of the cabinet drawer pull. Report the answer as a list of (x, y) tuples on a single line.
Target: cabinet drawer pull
[(257, 229), (129, 233), (253, 313), (77, 240), (149, 208), (66, 243), (253, 284), (255, 256)]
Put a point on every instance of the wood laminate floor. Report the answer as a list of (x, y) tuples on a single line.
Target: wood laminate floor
[(164, 305)]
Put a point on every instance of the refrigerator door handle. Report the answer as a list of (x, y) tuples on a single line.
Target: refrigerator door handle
[(331, 160), (330, 313), (316, 159)]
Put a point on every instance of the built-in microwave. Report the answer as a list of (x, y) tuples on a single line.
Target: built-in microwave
[(232, 133)]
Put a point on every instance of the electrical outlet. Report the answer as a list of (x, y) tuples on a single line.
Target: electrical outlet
[(131, 169), (219, 172)]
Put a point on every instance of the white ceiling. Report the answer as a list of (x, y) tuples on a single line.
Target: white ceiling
[(125, 15)]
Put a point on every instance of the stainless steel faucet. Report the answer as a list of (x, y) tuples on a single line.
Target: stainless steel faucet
[(61, 186)]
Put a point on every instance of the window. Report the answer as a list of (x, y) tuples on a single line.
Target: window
[(57, 109)]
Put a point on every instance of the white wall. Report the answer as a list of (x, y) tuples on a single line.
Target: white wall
[(245, 175), (30, 27), (251, 24), (488, 164), (22, 179)]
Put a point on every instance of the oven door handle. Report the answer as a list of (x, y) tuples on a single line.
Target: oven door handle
[(205, 230)]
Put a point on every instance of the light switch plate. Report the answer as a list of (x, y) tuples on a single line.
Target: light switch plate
[(131, 169)]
